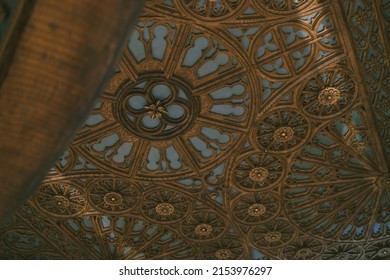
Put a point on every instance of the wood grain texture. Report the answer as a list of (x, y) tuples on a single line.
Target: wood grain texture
[(62, 60)]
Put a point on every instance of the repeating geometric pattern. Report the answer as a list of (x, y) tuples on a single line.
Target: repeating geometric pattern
[(230, 129), (369, 24), (334, 188)]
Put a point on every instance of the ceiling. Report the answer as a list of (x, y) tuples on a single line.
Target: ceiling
[(231, 129)]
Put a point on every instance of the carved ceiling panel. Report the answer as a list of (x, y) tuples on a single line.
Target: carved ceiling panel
[(231, 129)]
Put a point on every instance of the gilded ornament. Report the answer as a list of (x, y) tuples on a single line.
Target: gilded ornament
[(223, 254), (113, 198), (283, 134), (165, 209), (62, 199), (203, 229), (328, 93), (304, 253), (273, 236), (258, 174), (257, 171), (113, 195), (213, 195), (361, 17), (165, 206), (329, 96), (282, 130), (227, 247), (155, 110), (256, 210), (61, 202)]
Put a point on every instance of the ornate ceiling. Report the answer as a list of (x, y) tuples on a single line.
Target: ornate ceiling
[(231, 129)]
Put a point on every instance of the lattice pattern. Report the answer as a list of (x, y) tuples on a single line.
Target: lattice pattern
[(231, 129)]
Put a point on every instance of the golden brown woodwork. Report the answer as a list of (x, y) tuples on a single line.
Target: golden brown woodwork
[(13, 19), (231, 129)]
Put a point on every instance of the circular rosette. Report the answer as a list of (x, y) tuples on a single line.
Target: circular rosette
[(60, 199), (113, 195), (211, 10), (156, 109), (165, 118), (303, 249), (224, 249), (165, 206), (257, 171), (378, 250), (272, 234), (343, 252), (328, 94), (203, 226), (281, 131), (282, 6), (255, 208)]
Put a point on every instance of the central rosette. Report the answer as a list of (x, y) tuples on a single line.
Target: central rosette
[(157, 109), (179, 106)]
